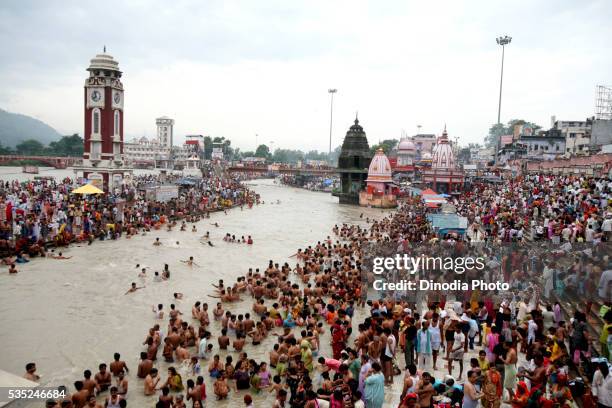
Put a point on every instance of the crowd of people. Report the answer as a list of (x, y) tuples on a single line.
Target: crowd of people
[(332, 342), (40, 214)]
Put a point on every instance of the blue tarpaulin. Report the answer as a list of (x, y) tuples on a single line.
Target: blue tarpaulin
[(445, 223)]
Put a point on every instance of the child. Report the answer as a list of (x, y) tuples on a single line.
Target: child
[(483, 362), (195, 366)]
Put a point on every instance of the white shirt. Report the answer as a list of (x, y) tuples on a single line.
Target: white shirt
[(602, 388), (390, 349), (459, 340), (604, 283)]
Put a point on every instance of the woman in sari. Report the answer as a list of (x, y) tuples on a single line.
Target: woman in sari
[(492, 389)]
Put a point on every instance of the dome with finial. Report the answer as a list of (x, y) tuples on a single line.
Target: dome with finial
[(406, 145), (380, 168), (103, 62), (443, 157)]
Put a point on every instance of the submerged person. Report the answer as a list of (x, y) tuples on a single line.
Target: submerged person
[(133, 288)]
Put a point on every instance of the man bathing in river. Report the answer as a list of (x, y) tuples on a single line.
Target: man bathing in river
[(133, 288), (190, 262)]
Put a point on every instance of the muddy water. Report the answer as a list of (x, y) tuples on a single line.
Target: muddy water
[(71, 315)]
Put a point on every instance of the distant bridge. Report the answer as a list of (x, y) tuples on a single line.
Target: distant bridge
[(282, 170), (52, 161)]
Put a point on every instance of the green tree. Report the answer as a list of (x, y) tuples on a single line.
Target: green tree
[(208, 147), (263, 151), (30, 147), (387, 145), (66, 146), (5, 149)]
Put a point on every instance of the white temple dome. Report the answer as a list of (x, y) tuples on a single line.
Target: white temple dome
[(380, 168), (406, 145), (443, 157), (103, 62)]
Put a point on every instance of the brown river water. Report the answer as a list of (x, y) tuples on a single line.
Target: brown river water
[(71, 315)]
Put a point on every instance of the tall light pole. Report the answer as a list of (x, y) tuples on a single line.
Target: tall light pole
[(503, 41), (331, 118)]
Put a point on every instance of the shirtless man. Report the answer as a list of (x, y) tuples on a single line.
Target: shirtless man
[(60, 256), (91, 402), (79, 398), (537, 377), (12, 269), (239, 342), (223, 340), (89, 384), (218, 311), (133, 288), (151, 381), (145, 365), (190, 262), (425, 390), (157, 242), (118, 366), (30, 373), (103, 378), (182, 353)]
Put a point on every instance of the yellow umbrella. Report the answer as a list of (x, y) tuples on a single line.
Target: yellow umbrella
[(87, 189)]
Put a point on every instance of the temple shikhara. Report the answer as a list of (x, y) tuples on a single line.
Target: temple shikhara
[(353, 164), (380, 191), (444, 176)]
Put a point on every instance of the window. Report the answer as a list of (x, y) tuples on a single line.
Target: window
[(117, 123), (96, 121)]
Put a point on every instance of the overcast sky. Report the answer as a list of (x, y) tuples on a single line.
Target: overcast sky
[(240, 68)]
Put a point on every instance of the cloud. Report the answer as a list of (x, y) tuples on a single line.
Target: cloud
[(237, 68)]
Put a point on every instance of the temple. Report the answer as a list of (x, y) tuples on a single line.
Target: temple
[(444, 176), (353, 164), (380, 191)]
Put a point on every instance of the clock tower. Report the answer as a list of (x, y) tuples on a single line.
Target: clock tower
[(103, 163)]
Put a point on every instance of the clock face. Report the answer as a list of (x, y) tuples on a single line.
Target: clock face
[(96, 96), (117, 97)]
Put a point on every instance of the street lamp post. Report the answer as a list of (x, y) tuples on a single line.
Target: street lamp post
[(503, 41), (331, 118)]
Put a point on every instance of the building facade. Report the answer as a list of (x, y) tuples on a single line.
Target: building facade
[(577, 134), (544, 146), (165, 131)]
